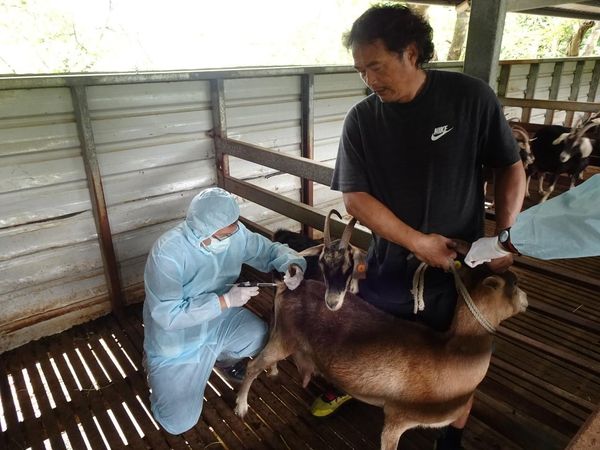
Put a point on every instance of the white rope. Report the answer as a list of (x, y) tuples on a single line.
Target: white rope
[(418, 289), (462, 290)]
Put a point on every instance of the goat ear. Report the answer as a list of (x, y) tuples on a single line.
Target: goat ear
[(494, 282), (560, 139), (586, 147), (312, 251), (360, 264)]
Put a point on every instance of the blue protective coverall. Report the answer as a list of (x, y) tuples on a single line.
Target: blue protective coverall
[(566, 226), (185, 329)]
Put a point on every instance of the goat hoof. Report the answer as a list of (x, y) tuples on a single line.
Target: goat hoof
[(241, 409)]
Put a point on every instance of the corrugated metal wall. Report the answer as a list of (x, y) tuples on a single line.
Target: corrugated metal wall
[(154, 155), (265, 112), (50, 264)]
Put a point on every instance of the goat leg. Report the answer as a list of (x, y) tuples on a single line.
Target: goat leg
[(527, 194), (550, 189), (393, 427), (541, 176), (268, 357)]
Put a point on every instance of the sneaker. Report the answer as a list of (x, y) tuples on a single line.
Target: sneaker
[(234, 374), (328, 403)]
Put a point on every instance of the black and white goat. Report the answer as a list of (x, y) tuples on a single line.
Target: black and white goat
[(419, 376), (522, 137), (558, 150)]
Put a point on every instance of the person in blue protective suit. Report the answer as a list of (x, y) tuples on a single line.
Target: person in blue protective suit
[(192, 320), (567, 226)]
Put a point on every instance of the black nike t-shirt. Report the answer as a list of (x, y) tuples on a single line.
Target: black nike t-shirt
[(423, 160)]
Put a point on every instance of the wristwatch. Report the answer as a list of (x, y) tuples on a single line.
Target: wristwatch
[(504, 241)]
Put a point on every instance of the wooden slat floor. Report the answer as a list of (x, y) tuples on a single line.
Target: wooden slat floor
[(85, 388)]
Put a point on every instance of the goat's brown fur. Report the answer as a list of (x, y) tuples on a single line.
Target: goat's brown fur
[(420, 377)]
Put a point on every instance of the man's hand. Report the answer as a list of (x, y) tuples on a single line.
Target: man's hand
[(435, 250), (293, 281), (239, 296), (485, 250)]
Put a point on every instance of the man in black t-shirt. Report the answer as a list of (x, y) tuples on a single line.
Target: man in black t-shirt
[(410, 168)]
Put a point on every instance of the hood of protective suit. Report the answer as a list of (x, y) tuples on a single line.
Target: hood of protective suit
[(211, 210)]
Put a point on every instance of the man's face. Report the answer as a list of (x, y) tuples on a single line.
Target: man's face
[(386, 73)]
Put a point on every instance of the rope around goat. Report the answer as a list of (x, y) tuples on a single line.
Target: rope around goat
[(418, 291)]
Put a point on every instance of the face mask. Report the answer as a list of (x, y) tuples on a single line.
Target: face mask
[(217, 246)]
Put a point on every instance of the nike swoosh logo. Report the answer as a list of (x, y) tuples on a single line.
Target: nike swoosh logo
[(435, 137)]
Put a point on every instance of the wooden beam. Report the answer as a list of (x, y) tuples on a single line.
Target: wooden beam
[(554, 87), (307, 126), (503, 80), (219, 115), (574, 92), (293, 209), (524, 5), (486, 26), (591, 97), (567, 13), (560, 105), (99, 210), (532, 77), (294, 165)]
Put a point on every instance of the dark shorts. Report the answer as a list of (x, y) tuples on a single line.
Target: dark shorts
[(439, 295)]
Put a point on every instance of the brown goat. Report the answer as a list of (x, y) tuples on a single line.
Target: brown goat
[(419, 376)]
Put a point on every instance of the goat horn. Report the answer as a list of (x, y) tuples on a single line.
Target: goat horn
[(347, 233), (593, 124), (326, 233), (523, 133)]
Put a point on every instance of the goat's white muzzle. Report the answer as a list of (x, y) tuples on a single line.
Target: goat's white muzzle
[(334, 300)]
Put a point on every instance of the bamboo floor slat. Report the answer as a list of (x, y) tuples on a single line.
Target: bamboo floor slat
[(85, 388)]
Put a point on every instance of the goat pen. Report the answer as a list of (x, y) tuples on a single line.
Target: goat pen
[(84, 387)]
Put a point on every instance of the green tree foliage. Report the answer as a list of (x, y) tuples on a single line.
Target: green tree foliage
[(58, 36), (532, 36)]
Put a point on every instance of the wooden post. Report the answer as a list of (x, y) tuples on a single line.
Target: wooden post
[(307, 144), (574, 91), (503, 80), (217, 95), (485, 37), (94, 179), (554, 86), (534, 70)]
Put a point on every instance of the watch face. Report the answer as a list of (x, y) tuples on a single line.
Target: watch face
[(503, 236)]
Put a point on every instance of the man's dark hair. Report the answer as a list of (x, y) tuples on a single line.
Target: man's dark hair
[(397, 26)]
